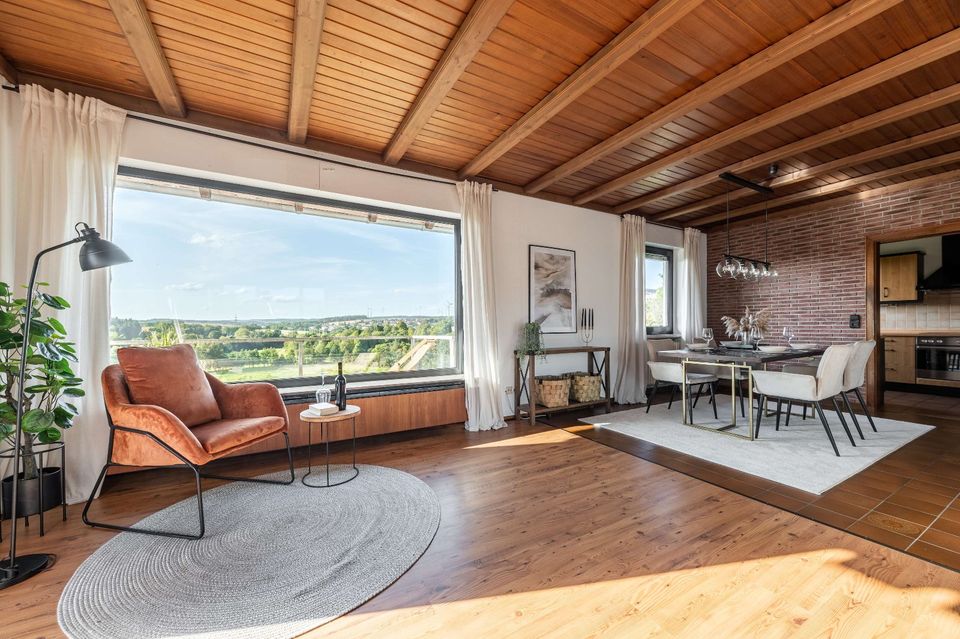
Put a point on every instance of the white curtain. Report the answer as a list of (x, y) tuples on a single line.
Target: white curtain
[(67, 163), (481, 373), (692, 309), (631, 385)]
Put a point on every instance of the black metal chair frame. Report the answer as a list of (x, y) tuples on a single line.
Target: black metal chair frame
[(674, 386), (186, 464), (762, 399)]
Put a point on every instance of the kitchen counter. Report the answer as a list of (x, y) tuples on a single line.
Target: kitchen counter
[(920, 332)]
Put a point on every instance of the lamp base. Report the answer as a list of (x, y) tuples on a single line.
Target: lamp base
[(23, 568)]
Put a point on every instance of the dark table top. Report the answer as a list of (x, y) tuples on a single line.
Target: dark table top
[(740, 355)]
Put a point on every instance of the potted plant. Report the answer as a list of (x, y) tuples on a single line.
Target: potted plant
[(49, 387), (531, 340), (750, 328)]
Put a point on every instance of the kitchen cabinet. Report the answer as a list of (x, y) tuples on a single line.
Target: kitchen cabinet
[(900, 359), (899, 277)]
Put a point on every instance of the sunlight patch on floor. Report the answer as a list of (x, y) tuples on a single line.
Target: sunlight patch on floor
[(802, 594), (553, 436)]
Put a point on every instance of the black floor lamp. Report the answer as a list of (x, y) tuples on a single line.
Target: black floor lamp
[(95, 253)]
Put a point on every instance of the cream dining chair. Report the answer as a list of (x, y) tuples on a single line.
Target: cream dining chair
[(800, 388), (671, 374), (854, 376)]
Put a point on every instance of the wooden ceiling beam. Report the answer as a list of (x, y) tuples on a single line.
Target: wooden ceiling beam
[(135, 23), (641, 32), (8, 71), (307, 33), (901, 111), (939, 178), (909, 60), (842, 185), (830, 26), (900, 146), (483, 18)]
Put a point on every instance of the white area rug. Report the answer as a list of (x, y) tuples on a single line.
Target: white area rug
[(799, 455), (275, 562)]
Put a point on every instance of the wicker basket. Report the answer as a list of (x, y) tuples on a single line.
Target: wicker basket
[(553, 391), (585, 387)]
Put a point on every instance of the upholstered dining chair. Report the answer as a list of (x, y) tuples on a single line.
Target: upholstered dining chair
[(671, 374), (799, 388), (164, 410), (854, 376)]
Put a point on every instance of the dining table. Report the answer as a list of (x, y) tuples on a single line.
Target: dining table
[(741, 361)]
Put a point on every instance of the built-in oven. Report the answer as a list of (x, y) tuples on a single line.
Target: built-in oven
[(938, 361)]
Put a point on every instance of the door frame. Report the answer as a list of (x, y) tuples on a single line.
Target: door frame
[(872, 263)]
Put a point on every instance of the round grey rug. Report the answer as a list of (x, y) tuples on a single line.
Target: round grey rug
[(276, 561)]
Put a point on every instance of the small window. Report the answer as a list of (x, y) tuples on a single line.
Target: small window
[(658, 290)]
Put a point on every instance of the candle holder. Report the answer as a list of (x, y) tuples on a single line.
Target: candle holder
[(586, 326)]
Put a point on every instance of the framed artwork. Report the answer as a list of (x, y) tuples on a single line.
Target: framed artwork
[(553, 289)]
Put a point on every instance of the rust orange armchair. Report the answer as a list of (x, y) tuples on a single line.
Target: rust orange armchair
[(164, 410)]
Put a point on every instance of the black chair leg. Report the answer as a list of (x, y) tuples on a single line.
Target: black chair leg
[(673, 394), (713, 398), (866, 411), (843, 421), (743, 406), (779, 409), (756, 432), (804, 412), (146, 531), (653, 394), (697, 398), (786, 423), (826, 427), (853, 415)]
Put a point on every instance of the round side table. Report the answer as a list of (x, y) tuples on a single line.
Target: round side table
[(350, 412)]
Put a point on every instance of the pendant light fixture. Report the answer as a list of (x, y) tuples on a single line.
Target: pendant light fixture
[(747, 268)]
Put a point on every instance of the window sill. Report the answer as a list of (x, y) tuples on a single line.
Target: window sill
[(375, 388)]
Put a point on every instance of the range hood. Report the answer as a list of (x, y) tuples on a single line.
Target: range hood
[(948, 276)]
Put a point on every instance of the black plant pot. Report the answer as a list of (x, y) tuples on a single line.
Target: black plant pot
[(28, 493)]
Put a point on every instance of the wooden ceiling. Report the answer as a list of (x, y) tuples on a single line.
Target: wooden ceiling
[(620, 105)]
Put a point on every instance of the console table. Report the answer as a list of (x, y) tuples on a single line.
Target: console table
[(524, 378)]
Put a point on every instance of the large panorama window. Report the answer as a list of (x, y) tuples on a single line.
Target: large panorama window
[(272, 286)]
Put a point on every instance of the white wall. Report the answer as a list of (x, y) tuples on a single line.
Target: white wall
[(518, 222)]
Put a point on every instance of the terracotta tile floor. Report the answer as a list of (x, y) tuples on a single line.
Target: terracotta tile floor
[(909, 500)]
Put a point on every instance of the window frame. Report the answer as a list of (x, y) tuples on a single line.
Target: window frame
[(125, 171), (669, 254)]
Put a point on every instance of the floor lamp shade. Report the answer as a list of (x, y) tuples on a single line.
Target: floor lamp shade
[(95, 253)]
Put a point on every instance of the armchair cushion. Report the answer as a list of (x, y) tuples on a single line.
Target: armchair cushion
[(172, 379), (223, 435), (251, 399)]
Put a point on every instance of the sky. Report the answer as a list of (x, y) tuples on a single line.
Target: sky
[(200, 259)]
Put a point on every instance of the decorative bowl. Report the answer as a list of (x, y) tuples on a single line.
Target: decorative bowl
[(773, 349)]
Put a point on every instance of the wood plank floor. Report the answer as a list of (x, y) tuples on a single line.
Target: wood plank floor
[(547, 534), (909, 500)]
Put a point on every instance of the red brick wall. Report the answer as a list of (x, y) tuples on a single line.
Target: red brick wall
[(820, 257)]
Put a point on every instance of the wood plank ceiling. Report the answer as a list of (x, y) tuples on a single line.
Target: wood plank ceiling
[(620, 105)]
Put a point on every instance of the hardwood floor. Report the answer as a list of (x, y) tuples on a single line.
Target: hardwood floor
[(909, 500), (547, 534)]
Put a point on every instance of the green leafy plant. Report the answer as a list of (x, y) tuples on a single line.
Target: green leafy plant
[(531, 339), (50, 383)]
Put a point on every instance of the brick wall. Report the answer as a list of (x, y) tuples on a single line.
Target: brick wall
[(820, 257)]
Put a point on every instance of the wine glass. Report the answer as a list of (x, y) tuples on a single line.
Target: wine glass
[(323, 394), (707, 334), (788, 334)]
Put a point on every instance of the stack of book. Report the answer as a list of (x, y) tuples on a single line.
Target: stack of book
[(321, 409)]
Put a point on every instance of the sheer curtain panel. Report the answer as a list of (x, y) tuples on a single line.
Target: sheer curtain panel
[(631, 384), (67, 155), (480, 368), (693, 285)]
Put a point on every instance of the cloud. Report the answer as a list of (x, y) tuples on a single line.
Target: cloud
[(214, 240), (185, 286)]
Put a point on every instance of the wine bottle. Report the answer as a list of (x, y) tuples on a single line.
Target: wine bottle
[(340, 388)]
